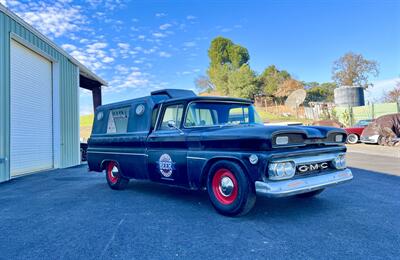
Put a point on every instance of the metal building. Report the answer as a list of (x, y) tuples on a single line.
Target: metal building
[(39, 100)]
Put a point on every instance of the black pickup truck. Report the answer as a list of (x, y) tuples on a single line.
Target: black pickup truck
[(219, 144)]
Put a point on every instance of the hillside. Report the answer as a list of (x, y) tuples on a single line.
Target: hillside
[(86, 126)]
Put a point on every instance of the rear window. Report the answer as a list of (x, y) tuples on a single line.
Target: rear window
[(118, 121)]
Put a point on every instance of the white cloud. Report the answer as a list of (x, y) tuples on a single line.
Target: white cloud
[(134, 29), (141, 37), (110, 5), (165, 26), (191, 17), (68, 47), (151, 50), (123, 45), (107, 59), (159, 35), (97, 45), (375, 93), (226, 30), (132, 78), (54, 19), (160, 15), (189, 44), (164, 54), (3, 2)]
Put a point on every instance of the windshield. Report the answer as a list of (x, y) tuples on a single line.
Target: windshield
[(363, 122), (220, 114)]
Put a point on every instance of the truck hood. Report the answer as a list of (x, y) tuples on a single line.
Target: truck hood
[(253, 136)]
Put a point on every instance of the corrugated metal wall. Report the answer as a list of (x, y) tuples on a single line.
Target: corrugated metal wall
[(68, 82)]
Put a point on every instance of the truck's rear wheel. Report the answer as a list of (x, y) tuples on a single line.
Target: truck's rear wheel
[(229, 189), (114, 178)]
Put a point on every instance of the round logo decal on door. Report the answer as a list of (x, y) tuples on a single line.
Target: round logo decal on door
[(166, 165)]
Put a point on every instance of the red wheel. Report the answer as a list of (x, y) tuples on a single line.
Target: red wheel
[(229, 189), (225, 186), (112, 172), (114, 178)]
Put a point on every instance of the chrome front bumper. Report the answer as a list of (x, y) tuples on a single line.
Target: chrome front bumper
[(297, 186)]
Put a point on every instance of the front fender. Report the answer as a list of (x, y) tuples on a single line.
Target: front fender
[(198, 167)]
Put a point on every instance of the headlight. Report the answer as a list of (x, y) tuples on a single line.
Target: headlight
[(281, 170), (340, 161), (282, 140), (373, 138), (339, 138)]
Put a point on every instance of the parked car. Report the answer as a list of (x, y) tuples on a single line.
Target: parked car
[(215, 143), (83, 149), (387, 127), (354, 132)]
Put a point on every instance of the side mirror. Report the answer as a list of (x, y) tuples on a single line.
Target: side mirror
[(171, 124)]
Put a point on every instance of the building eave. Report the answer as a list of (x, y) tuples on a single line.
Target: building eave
[(82, 68)]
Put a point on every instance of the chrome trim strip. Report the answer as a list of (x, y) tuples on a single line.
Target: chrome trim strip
[(195, 158), (105, 152), (308, 159), (298, 186)]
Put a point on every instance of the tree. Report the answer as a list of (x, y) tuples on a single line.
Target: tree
[(225, 59), (287, 87), (320, 92), (243, 83), (393, 95), (219, 76), (354, 70), (223, 51), (271, 78), (203, 84)]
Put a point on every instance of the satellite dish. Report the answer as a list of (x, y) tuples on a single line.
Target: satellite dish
[(296, 98)]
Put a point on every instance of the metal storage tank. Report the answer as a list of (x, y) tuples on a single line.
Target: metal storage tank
[(39, 100), (349, 96)]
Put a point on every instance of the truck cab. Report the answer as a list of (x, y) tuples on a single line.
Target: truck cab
[(175, 137)]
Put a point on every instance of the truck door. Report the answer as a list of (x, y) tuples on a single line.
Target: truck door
[(167, 148)]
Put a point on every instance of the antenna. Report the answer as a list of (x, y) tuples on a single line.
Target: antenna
[(295, 99)]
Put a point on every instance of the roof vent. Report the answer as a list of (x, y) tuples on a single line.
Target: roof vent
[(174, 93)]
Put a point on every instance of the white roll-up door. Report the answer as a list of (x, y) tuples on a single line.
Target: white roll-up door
[(31, 129)]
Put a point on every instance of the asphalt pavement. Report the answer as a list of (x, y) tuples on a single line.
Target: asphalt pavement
[(72, 214)]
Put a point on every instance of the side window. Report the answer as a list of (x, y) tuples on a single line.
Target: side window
[(118, 121), (239, 115), (200, 117), (154, 117), (172, 113)]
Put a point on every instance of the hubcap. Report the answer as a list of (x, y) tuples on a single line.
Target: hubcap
[(352, 138), (114, 172), (226, 186)]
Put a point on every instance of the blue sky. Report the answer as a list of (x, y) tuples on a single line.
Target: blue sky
[(139, 46)]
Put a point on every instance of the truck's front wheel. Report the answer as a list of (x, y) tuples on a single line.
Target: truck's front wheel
[(114, 177), (229, 189)]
